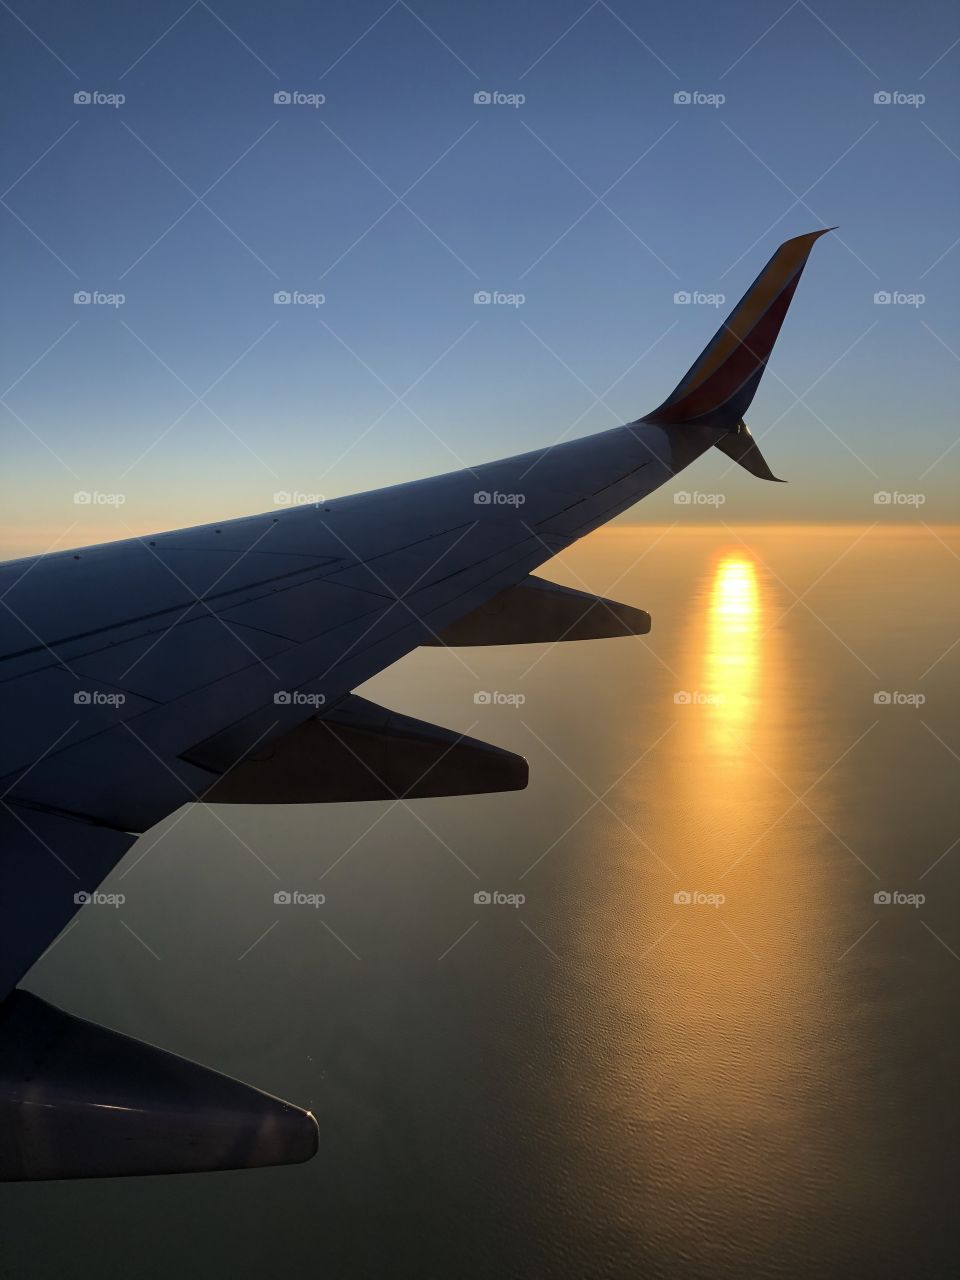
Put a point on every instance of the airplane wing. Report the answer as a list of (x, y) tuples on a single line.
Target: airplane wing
[(218, 662)]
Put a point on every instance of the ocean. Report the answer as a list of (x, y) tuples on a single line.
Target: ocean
[(706, 1026)]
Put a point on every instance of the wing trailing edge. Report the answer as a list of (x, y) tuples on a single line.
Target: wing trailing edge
[(50, 863)]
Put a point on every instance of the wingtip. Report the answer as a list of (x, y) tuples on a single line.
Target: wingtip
[(808, 237)]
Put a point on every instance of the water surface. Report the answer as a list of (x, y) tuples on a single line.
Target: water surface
[(609, 1080)]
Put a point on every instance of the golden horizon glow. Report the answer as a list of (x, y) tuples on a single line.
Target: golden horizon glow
[(719, 530), (85, 529)]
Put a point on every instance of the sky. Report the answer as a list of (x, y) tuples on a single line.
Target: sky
[(383, 197)]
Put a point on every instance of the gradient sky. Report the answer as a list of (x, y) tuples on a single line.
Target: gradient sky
[(491, 197)]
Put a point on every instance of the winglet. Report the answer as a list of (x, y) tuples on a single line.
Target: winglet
[(742, 448), (718, 388)]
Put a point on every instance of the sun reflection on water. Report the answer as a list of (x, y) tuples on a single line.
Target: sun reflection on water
[(717, 1011), (731, 658)]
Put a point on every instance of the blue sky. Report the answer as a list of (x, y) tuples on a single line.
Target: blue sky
[(597, 199)]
